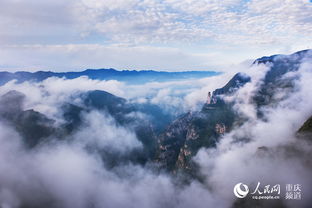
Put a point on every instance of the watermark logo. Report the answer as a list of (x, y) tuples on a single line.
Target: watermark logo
[(241, 190), (293, 191)]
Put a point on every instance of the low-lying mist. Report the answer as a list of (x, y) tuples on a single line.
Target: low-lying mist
[(93, 165)]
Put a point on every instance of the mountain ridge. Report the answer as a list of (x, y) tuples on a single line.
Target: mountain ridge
[(178, 143), (132, 76), (174, 144)]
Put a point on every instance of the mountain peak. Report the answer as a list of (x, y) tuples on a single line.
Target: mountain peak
[(270, 59)]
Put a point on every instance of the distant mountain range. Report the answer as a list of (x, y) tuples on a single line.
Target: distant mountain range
[(135, 77)]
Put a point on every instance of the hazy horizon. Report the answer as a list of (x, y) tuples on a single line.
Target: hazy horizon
[(219, 69)]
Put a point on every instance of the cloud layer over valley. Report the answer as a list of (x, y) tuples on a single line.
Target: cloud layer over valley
[(100, 161)]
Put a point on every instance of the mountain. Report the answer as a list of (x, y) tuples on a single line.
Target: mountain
[(305, 131), (36, 128), (168, 142), (32, 125), (135, 77), (236, 82), (274, 80), (187, 134), (306, 127)]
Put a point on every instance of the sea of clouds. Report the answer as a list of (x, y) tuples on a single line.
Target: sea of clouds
[(65, 174)]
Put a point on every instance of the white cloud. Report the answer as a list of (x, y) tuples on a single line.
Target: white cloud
[(102, 131), (229, 21), (178, 28), (67, 174), (283, 157), (175, 97)]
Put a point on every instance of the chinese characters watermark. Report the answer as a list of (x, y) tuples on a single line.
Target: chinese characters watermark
[(293, 191), (268, 191)]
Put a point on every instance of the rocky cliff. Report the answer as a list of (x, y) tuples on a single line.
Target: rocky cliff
[(186, 135)]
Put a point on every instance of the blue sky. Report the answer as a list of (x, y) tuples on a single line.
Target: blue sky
[(149, 34)]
